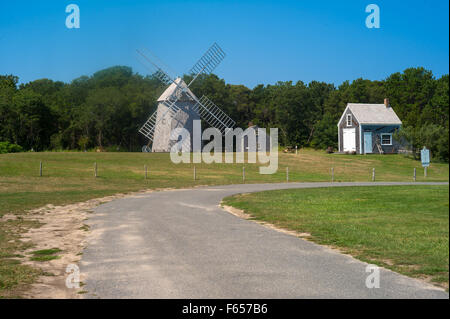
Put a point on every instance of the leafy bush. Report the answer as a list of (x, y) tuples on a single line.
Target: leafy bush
[(7, 147), (434, 137)]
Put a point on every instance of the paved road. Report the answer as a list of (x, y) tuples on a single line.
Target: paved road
[(181, 244)]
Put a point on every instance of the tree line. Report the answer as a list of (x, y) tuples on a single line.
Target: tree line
[(107, 109)]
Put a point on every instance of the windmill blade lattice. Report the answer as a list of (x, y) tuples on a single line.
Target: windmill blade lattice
[(151, 125), (213, 115), (152, 63), (198, 108), (209, 61)]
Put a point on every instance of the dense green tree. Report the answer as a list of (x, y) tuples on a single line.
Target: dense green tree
[(409, 93), (107, 109), (326, 133), (8, 88), (34, 122)]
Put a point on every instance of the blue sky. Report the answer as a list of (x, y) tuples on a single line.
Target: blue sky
[(265, 41)]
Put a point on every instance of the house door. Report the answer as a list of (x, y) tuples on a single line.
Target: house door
[(367, 142), (349, 135)]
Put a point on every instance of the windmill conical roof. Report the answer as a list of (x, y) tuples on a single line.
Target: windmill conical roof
[(175, 90)]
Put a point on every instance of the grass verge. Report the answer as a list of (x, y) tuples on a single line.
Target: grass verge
[(14, 276), (403, 228)]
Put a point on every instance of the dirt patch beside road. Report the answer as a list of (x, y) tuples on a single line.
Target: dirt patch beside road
[(63, 229)]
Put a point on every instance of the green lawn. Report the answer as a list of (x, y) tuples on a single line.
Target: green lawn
[(69, 177), (404, 228)]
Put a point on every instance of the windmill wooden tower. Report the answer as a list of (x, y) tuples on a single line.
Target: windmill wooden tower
[(178, 107)]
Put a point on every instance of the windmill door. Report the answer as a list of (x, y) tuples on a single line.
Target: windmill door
[(349, 135), (367, 142)]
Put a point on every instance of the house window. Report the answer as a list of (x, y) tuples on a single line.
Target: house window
[(349, 120), (386, 139)]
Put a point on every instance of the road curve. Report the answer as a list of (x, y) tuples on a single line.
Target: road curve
[(181, 244)]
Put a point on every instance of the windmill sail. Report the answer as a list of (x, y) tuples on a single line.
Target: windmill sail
[(151, 125), (213, 115), (178, 106), (153, 64), (208, 62)]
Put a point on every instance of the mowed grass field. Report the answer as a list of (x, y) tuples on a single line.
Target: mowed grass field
[(403, 228), (68, 177)]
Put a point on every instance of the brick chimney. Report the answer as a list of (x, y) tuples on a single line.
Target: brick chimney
[(386, 102)]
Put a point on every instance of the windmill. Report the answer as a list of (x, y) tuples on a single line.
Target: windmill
[(178, 107)]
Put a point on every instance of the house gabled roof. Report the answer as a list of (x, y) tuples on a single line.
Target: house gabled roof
[(174, 88), (372, 114)]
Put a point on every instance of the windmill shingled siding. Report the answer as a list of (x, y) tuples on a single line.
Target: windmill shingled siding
[(183, 119)]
